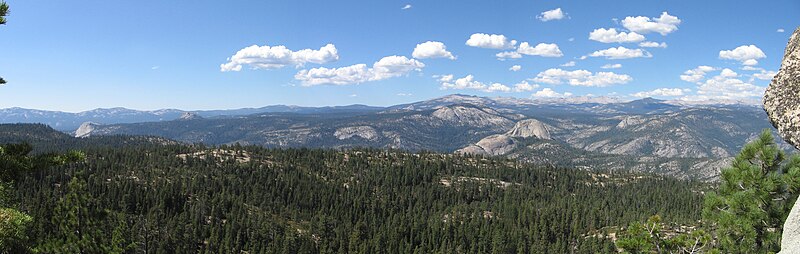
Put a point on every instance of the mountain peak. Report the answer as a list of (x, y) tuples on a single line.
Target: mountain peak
[(189, 116)]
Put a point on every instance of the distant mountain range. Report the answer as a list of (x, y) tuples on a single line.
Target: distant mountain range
[(65, 121), (649, 135)]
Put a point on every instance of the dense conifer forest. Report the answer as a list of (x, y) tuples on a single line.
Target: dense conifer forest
[(132, 196)]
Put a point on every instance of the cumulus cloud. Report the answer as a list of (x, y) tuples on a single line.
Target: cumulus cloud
[(765, 75), (274, 57), (469, 82), (662, 92), (663, 25), (549, 93), (432, 49), (611, 66), (568, 64), (541, 49), (406, 7), (492, 41), (780, 30), (508, 54), (652, 44), (581, 78), (387, 67), (620, 53), (515, 68), (524, 86), (727, 87), (747, 54), (554, 14), (697, 74), (611, 36)]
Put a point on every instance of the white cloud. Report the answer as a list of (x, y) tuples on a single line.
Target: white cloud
[(568, 64), (541, 49), (155, 67), (747, 54), (267, 57), (549, 93), (492, 41), (725, 86), (406, 7), (611, 35), (750, 62), (620, 53), (404, 94), (652, 44), (765, 75), (469, 82), (497, 87), (508, 54), (387, 67), (611, 66), (515, 68), (353, 95), (524, 86), (728, 73), (751, 68), (581, 78), (554, 14), (571, 39), (696, 74), (432, 49), (662, 92), (780, 30), (663, 25)]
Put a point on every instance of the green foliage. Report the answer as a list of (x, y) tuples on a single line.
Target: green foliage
[(755, 195), (178, 198), (13, 231), (15, 160), (76, 220), (652, 237), (3, 13)]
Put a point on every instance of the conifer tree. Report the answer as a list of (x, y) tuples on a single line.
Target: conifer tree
[(3, 14), (754, 198)]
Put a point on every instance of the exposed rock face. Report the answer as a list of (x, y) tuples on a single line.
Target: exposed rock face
[(790, 243), (782, 103), (365, 132), (472, 116), (529, 128), (500, 144), (782, 98), (189, 116), (85, 129)]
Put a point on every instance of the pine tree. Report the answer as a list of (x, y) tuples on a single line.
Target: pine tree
[(15, 160), (3, 14), (76, 218), (754, 198)]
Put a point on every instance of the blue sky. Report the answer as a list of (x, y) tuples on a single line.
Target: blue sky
[(80, 55)]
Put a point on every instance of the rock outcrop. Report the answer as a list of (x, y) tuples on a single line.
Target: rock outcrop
[(189, 116), (500, 144), (782, 104), (365, 132), (782, 98), (529, 128), (85, 129)]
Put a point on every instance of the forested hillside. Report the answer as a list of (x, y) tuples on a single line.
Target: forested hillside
[(169, 198)]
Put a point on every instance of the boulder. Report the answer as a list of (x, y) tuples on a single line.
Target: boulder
[(782, 104)]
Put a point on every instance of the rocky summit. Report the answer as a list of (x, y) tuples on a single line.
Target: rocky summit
[(782, 103)]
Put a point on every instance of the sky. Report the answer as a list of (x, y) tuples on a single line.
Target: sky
[(80, 55)]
